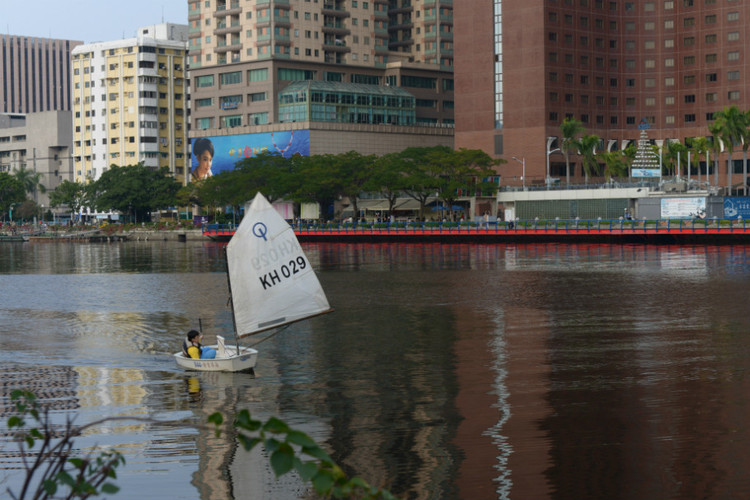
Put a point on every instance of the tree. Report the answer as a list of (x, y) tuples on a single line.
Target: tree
[(615, 163), (731, 124), (71, 194), (388, 178), (31, 181), (12, 192), (135, 190), (570, 129), (700, 147), (674, 156), (587, 149), (353, 171), (716, 145)]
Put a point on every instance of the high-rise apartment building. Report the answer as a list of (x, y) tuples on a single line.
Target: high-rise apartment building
[(129, 103), (524, 66), (243, 55), (34, 74)]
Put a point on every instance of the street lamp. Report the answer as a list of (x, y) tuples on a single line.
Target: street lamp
[(550, 141), (522, 161)]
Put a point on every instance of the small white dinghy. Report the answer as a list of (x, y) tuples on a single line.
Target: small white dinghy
[(271, 285)]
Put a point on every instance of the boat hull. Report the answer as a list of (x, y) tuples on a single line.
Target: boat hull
[(233, 362)]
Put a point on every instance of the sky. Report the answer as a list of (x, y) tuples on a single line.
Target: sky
[(87, 20)]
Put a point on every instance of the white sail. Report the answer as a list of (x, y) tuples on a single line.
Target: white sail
[(272, 283)]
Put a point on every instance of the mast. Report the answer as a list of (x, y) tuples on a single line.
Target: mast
[(231, 303)]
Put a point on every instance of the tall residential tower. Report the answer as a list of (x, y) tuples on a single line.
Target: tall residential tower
[(129, 103), (373, 65)]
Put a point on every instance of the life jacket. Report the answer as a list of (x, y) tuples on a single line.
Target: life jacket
[(186, 344)]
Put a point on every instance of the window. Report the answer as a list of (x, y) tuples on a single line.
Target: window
[(230, 78), (690, 118), (733, 75), (231, 121), (711, 77), (711, 58), (202, 103), (204, 81), (732, 16), (257, 75), (688, 41), (689, 98), (733, 95), (733, 55), (733, 36), (711, 97), (669, 100)]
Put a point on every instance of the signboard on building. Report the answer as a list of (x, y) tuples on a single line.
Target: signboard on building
[(211, 155), (646, 172), (737, 207), (683, 208)]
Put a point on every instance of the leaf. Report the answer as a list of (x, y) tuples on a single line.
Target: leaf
[(247, 442), (317, 452), (76, 462), (275, 426), (15, 421), (282, 460), (216, 418), (323, 482), (306, 470), (300, 438), (110, 488), (50, 487)]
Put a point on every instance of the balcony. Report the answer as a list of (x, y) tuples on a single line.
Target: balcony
[(335, 46), (223, 29), (228, 48), (330, 9), (335, 28)]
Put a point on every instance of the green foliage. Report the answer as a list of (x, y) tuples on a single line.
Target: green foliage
[(49, 463), (136, 190), (71, 194), (11, 192), (293, 450)]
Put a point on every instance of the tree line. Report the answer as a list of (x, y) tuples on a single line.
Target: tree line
[(729, 130), (137, 191)]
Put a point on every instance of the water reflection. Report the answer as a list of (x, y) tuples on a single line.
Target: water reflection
[(447, 371)]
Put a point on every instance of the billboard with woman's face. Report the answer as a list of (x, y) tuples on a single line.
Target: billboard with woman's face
[(211, 155)]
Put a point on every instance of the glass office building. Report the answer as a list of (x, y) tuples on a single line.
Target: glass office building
[(321, 101)]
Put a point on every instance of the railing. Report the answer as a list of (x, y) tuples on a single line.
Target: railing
[(564, 226)]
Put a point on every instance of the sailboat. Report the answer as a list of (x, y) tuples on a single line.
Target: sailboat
[(271, 285)]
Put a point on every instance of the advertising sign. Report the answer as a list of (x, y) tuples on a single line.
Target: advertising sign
[(683, 208), (212, 155), (646, 172), (737, 207)]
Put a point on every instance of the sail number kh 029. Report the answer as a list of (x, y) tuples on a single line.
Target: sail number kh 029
[(282, 272)]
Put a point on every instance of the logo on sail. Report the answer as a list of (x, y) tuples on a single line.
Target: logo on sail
[(260, 230)]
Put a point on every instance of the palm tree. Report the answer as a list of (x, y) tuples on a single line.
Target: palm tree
[(715, 129), (674, 156), (587, 148), (745, 132), (30, 180), (570, 128), (615, 163), (731, 123), (700, 147)]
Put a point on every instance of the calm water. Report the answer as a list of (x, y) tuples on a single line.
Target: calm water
[(447, 371)]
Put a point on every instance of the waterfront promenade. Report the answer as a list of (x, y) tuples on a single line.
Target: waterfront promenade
[(670, 231)]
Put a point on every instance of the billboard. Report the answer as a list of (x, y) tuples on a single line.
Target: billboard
[(683, 208), (211, 155), (646, 172), (737, 207)]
